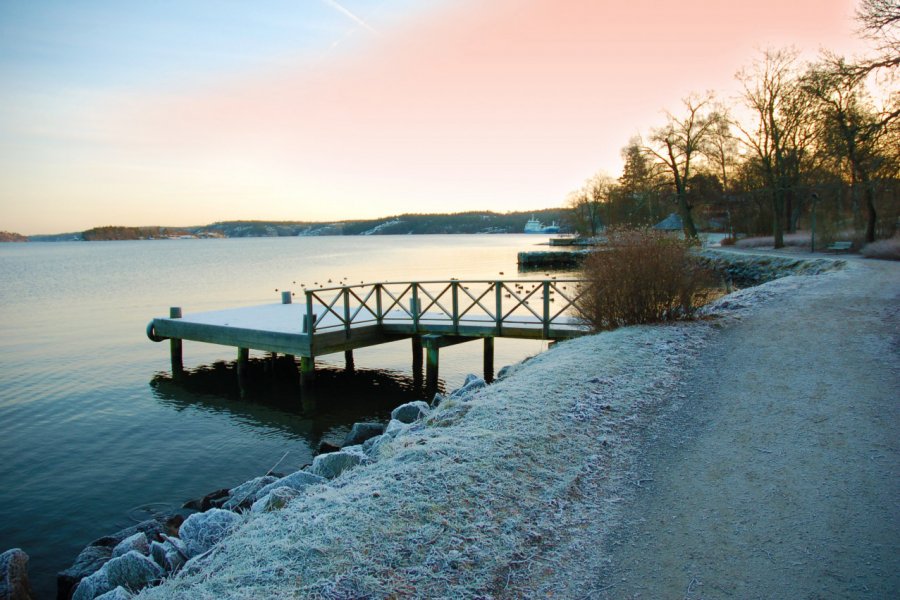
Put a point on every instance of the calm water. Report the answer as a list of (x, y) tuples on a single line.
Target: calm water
[(94, 434)]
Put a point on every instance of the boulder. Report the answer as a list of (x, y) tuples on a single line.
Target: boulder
[(362, 432), (333, 464), (170, 554), (298, 481), (395, 427), (133, 571), (470, 386), (410, 412), (378, 446), (242, 496), (325, 448), (137, 542), (119, 593), (212, 500), (274, 500), (88, 561), (14, 584), (95, 584), (505, 372), (202, 531)]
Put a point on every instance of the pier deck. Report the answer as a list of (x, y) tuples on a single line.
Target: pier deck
[(434, 314)]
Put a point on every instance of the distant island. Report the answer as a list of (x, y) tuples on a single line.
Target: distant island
[(7, 236), (406, 224)]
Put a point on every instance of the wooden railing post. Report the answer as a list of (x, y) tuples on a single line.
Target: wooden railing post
[(309, 319), (546, 318), (454, 293), (379, 309), (414, 306), (498, 316), (346, 293)]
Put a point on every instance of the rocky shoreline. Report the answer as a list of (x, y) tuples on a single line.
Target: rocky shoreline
[(185, 542), (116, 566)]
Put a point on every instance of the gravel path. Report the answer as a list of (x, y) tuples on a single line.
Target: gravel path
[(779, 477)]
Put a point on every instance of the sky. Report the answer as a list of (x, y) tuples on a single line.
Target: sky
[(186, 112)]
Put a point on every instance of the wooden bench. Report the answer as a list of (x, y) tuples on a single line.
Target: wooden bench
[(839, 246)]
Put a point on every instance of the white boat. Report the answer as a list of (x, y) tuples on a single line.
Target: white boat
[(535, 226)]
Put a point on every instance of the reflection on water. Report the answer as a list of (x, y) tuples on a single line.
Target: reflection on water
[(269, 396)]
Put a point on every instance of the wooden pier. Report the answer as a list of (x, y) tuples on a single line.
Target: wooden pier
[(433, 314)]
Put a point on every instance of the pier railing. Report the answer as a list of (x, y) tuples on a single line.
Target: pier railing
[(452, 304)]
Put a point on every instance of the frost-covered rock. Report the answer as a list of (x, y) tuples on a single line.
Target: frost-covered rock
[(133, 571), (88, 561), (119, 593), (137, 542), (299, 481), (202, 531), (471, 384), (170, 554), (274, 500), (394, 427), (243, 495), (411, 411), (333, 464), (505, 372), (362, 432), (14, 584), (379, 446), (95, 584)]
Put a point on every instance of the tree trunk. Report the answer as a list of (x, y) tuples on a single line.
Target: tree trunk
[(778, 209), (687, 221), (870, 212)]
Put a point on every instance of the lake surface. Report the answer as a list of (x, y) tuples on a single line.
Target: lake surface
[(94, 433)]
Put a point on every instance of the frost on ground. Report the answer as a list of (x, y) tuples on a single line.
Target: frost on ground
[(484, 498)]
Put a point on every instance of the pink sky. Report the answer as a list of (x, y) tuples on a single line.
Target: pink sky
[(465, 108)]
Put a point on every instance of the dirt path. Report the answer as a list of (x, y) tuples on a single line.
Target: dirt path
[(780, 476)]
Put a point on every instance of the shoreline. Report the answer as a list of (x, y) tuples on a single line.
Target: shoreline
[(438, 515), (591, 400)]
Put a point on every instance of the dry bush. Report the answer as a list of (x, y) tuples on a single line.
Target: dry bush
[(642, 276), (728, 241), (886, 249)]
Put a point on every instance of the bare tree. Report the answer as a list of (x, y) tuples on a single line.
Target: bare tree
[(879, 20), (781, 132), (677, 143), (590, 202), (851, 128)]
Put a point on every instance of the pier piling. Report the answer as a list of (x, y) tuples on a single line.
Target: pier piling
[(175, 346)]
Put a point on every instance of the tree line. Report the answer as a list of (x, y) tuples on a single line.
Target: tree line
[(816, 138)]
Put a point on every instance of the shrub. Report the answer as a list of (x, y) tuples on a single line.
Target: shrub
[(887, 249), (728, 241), (641, 276)]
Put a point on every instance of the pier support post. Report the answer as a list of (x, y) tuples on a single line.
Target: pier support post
[(307, 371), (417, 361), (349, 365), (243, 360), (489, 359), (175, 345), (432, 356)]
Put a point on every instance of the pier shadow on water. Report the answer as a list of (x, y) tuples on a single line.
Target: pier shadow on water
[(268, 395)]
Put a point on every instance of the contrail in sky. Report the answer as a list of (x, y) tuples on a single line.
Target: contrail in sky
[(344, 11)]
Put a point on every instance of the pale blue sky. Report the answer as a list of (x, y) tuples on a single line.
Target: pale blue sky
[(192, 111)]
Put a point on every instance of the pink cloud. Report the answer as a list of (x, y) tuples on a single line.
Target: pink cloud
[(521, 98)]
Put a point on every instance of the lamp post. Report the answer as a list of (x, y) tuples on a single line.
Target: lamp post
[(812, 239)]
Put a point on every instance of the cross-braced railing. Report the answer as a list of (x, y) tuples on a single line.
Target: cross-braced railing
[(453, 305)]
